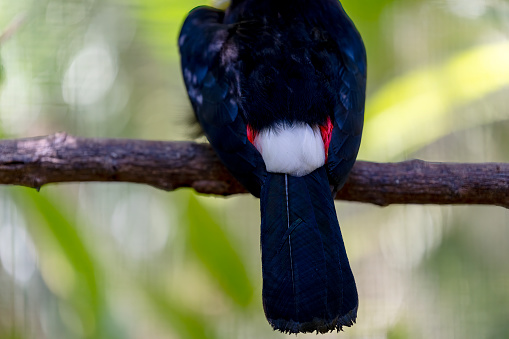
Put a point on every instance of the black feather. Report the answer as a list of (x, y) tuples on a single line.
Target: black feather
[(212, 91), (307, 281)]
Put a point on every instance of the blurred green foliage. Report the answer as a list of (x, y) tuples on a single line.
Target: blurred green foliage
[(214, 248), (126, 261), (432, 94), (71, 273), (1, 73), (184, 322)]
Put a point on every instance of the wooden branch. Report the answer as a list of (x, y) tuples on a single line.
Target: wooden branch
[(169, 165)]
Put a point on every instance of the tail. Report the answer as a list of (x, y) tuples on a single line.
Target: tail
[(307, 281)]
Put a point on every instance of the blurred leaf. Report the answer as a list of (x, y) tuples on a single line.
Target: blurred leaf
[(10, 336), (214, 248), (72, 259), (184, 321), (221, 4), (365, 9), (67, 237), (399, 331), (161, 21), (7, 332), (416, 109), (1, 74)]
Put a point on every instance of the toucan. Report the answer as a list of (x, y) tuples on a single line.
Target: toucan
[(278, 87)]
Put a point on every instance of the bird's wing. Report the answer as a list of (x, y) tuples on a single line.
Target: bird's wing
[(211, 75), (349, 82)]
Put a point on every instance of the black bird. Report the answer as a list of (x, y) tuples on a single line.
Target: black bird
[(278, 87)]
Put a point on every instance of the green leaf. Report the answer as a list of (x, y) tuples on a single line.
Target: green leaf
[(73, 272), (418, 108), (187, 323), (214, 248)]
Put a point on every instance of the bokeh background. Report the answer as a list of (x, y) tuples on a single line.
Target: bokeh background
[(107, 260)]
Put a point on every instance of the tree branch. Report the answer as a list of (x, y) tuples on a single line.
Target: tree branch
[(169, 165)]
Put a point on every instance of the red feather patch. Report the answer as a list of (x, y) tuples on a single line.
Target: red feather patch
[(251, 134), (326, 132)]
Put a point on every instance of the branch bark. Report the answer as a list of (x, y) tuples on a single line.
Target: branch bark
[(59, 158)]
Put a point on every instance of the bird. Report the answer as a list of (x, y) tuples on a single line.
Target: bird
[(278, 88)]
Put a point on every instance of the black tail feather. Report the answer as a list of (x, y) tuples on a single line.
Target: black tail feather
[(307, 281)]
